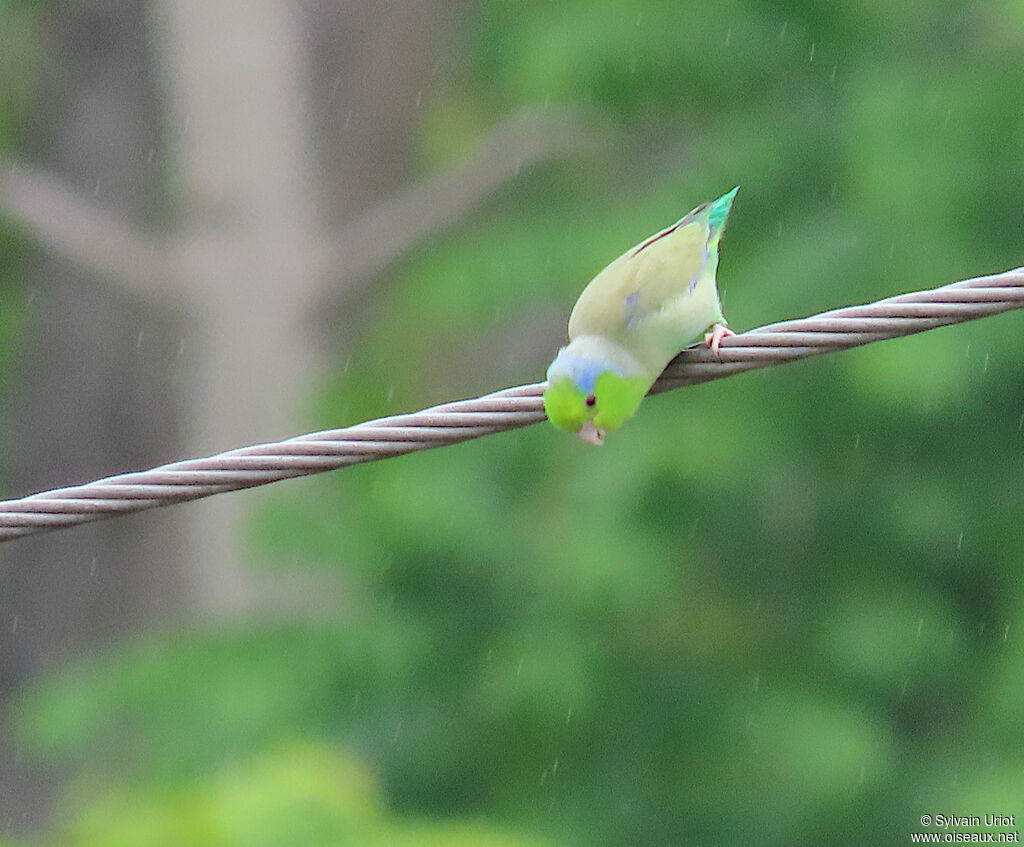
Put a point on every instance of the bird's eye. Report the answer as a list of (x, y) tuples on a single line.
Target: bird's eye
[(591, 400)]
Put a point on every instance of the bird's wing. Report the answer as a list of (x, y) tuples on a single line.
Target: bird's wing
[(644, 282)]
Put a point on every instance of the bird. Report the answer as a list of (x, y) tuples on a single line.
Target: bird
[(633, 318)]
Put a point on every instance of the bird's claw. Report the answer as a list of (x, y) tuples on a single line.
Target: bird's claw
[(714, 338)]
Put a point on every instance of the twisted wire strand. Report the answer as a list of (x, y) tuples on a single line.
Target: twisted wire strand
[(510, 408)]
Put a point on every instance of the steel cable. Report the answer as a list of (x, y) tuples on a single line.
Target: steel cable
[(511, 408)]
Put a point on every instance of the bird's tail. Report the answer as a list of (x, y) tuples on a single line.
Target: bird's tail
[(720, 210), (716, 220)]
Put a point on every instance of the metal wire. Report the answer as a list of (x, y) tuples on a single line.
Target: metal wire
[(511, 408)]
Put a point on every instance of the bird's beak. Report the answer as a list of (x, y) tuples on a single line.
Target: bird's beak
[(591, 434)]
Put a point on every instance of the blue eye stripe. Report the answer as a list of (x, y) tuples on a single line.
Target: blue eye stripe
[(585, 373)]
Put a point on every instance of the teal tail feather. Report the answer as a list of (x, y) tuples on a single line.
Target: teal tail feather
[(720, 209)]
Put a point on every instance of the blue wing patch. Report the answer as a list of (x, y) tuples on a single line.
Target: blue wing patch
[(632, 313)]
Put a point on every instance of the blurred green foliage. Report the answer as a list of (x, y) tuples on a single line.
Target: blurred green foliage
[(783, 607), (298, 795)]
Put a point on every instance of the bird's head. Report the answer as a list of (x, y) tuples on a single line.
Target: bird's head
[(597, 407)]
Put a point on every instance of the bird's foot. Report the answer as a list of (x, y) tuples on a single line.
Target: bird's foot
[(714, 338)]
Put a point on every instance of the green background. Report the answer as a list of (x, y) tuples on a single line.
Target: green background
[(783, 608)]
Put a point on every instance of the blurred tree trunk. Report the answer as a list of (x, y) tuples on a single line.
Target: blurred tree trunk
[(240, 78), (114, 381), (241, 146)]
